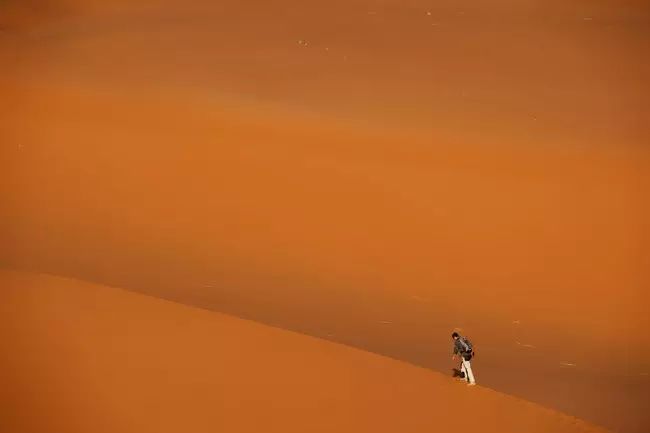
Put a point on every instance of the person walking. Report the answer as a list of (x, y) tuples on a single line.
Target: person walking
[(464, 349)]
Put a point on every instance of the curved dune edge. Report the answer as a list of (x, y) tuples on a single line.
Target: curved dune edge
[(84, 357)]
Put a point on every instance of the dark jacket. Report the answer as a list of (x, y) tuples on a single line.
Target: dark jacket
[(463, 347)]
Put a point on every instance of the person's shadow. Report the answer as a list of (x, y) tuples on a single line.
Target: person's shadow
[(457, 373)]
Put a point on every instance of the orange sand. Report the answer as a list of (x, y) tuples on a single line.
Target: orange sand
[(328, 167), (79, 357)]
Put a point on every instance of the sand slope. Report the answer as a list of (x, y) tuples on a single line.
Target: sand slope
[(329, 166), (79, 357)]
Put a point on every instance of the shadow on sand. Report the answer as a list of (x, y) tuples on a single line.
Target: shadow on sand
[(457, 373)]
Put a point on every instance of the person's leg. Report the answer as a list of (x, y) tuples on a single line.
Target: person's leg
[(461, 375), (468, 372), (463, 370)]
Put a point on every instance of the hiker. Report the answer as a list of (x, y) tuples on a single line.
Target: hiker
[(463, 348)]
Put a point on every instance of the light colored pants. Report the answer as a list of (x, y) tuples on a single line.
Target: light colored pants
[(466, 367)]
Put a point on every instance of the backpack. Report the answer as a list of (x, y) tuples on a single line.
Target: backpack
[(465, 345)]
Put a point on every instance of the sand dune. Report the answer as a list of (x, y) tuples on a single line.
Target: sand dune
[(79, 357), (371, 172)]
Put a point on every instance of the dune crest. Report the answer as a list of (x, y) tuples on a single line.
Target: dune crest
[(81, 357)]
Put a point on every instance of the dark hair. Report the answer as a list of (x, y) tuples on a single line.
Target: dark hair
[(454, 335)]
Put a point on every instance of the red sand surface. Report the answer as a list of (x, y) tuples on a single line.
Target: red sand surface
[(80, 357), (360, 171)]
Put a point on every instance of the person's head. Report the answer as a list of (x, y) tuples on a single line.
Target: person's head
[(455, 335)]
